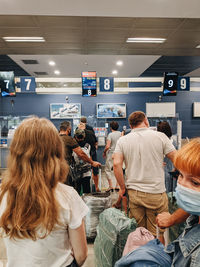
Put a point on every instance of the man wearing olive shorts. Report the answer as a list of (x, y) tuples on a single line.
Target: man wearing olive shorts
[(143, 151)]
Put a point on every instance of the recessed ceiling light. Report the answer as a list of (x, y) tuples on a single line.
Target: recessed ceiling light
[(24, 39), (57, 72), (119, 63), (114, 72), (145, 40), (198, 46), (52, 63)]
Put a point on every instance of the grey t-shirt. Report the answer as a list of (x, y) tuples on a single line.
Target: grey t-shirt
[(113, 137)]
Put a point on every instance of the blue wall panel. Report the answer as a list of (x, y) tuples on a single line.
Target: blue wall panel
[(38, 104), (27, 104)]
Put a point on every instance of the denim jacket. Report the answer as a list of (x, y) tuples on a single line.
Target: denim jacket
[(152, 254), (185, 250)]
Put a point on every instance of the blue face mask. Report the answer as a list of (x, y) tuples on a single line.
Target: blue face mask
[(188, 199)]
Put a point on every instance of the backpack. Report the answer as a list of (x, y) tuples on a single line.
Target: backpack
[(136, 239), (79, 167)]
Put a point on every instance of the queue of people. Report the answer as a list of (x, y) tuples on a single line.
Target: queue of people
[(42, 215)]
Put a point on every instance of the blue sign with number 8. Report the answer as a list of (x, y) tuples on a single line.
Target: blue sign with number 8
[(106, 84)]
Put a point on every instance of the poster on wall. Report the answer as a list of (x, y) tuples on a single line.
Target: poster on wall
[(65, 110), (111, 110)]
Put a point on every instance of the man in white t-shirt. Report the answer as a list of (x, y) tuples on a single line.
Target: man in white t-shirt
[(143, 151)]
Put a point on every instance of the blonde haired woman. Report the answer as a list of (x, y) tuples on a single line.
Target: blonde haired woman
[(41, 219)]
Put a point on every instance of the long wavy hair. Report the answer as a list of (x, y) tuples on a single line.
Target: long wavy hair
[(35, 166), (188, 157)]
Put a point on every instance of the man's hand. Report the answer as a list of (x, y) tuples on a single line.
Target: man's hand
[(96, 164), (122, 192), (164, 220)]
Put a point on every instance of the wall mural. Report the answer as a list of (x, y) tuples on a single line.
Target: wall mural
[(65, 110)]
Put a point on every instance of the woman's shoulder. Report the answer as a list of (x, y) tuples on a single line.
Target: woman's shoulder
[(67, 195), (65, 191)]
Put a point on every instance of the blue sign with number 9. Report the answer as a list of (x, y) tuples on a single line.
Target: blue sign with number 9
[(183, 83)]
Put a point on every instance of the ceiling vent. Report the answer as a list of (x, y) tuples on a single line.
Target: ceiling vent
[(40, 73), (30, 61)]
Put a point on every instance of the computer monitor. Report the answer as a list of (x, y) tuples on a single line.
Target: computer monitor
[(170, 83), (7, 83), (89, 83)]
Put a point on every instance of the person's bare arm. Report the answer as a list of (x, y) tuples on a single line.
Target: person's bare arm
[(118, 171), (96, 145), (84, 157), (166, 219), (171, 155), (108, 143), (79, 244)]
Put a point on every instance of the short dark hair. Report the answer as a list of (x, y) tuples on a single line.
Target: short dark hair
[(114, 125), (83, 119), (65, 125), (164, 127), (136, 118)]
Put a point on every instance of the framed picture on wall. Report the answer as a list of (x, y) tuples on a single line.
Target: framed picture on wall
[(65, 110), (111, 110)]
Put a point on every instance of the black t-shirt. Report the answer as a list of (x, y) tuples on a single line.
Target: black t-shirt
[(90, 138)]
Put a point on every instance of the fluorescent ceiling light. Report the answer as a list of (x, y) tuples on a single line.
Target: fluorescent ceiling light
[(57, 72), (52, 63), (24, 39), (198, 46), (114, 72), (145, 40), (119, 63)]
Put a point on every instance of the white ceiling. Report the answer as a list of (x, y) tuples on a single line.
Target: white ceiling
[(117, 8), (72, 63)]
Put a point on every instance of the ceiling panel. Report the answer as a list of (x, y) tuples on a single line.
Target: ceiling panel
[(106, 22), (182, 65), (18, 21), (7, 64), (63, 21), (162, 23), (102, 36)]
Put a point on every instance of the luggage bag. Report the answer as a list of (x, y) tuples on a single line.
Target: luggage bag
[(112, 232)]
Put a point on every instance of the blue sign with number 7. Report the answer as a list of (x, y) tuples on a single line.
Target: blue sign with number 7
[(27, 84)]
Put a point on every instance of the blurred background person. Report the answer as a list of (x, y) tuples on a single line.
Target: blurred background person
[(71, 146), (170, 182), (91, 139), (111, 142), (83, 183), (41, 219)]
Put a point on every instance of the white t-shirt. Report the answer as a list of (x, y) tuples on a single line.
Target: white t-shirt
[(55, 250), (143, 150), (113, 137)]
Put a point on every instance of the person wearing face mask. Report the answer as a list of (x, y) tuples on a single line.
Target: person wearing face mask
[(185, 250), (71, 146), (84, 168)]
